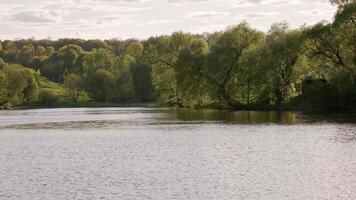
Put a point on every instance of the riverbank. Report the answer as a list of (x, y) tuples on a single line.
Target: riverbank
[(88, 105)]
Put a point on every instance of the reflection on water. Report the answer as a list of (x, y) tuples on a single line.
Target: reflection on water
[(239, 117), (108, 118), (141, 153)]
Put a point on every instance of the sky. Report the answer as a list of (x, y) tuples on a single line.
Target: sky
[(122, 19)]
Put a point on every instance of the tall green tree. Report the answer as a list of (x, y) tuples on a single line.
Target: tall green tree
[(284, 48), (101, 85), (3, 89), (142, 82), (219, 66), (75, 85), (122, 73), (163, 53)]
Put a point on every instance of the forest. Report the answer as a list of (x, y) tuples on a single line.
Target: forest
[(309, 68)]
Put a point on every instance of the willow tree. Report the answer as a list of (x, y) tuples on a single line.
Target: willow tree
[(163, 54), (284, 48), (333, 48), (342, 3), (219, 66), (3, 89), (346, 15)]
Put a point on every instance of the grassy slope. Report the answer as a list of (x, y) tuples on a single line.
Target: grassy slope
[(84, 101), (56, 88)]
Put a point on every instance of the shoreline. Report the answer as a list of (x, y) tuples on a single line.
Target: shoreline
[(157, 105)]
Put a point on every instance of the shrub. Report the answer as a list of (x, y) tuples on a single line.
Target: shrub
[(47, 97)]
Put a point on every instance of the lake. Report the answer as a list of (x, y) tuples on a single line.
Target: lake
[(163, 154)]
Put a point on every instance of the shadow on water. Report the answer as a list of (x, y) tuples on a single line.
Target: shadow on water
[(257, 117), (113, 118), (238, 117)]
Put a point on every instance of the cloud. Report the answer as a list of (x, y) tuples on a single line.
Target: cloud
[(210, 28), (190, 1), (36, 17), (161, 21), (107, 21), (316, 12), (249, 3), (96, 5), (208, 15), (257, 15), (64, 18)]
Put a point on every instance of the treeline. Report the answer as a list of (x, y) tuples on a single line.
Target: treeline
[(239, 68)]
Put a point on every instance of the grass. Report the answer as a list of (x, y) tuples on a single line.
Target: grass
[(84, 101), (59, 90), (56, 88)]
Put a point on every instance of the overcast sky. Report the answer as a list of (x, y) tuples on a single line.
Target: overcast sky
[(123, 19)]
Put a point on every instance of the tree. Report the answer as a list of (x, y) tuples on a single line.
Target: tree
[(3, 89), (47, 97), (334, 47), (26, 54), (119, 47), (341, 3), (89, 45), (195, 89), (2, 63), (163, 53), (10, 51), (30, 92), (284, 48), (49, 51), (142, 82), (253, 72), (53, 67), (97, 59), (219, 66), (135, 49), (16, 82), (21, 84), (75, 86), (123, 78), (70, 54), (40, 51), (101, 85), (346, 15)]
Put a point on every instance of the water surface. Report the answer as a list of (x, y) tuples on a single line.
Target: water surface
[(142, 153)]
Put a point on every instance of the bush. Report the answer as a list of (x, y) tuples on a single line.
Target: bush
[(47, 97)]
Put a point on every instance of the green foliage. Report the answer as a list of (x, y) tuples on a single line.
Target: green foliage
[(135, 49), (142, 82), (75, 85), (18, 85), (124, 91), (26, 54), (238, 68), (341, 3), (101, 85), (47, 98), (40, 51), (30, 92), (346, 15), (3, 89), (97, 59), (49, 51), (284, 48), (56, 88)]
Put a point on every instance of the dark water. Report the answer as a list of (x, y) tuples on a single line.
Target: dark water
[(140, 153)]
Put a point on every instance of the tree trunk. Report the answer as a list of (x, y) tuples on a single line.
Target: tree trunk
[(232, 103), (279, 99)]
